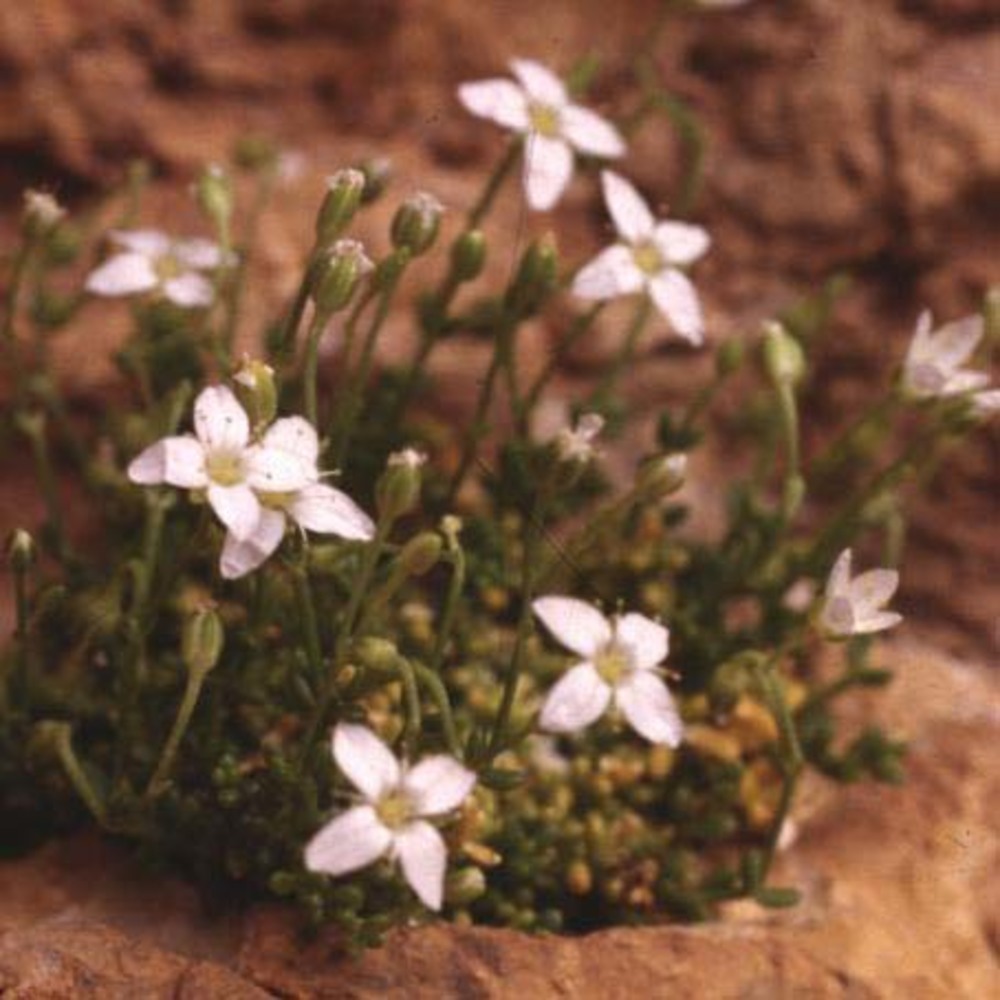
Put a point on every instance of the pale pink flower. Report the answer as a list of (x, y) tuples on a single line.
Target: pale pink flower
[(857, 607)]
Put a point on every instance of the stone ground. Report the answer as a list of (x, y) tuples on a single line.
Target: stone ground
[(857, 135)]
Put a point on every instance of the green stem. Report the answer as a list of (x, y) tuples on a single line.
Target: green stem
[(439, 695), (411, 697), (493, 183), (192, 691), (310, 624), (76, 774), (310, 374), (608, 382), (455, 587), (33, 427)]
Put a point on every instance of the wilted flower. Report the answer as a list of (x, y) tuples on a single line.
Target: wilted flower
[(856, 607), (933, 365), (150, 261), (647, 259), (620, 657), (538, 107), (392, 820), (42, 213)]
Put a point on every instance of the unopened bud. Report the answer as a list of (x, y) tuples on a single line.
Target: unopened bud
[(536, 277), (255, 152), (661, 475), (256, 390), (729, 357), (214, 192), (202, 641), (784, 359), (416, 223), (344, 191), (468, 255), (398, 489), (337, 276), (376, 654), (420, 554), (22, 553), (42, 213), (377, 173), (465, 886)]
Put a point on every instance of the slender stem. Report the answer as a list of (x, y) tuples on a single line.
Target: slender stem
[(493, 183), (76, 774), (874, 418), (310, 375), (453, 596), (192, 691), (625, 353), (411, 697), (33, 426), (439, 695), (310, 624), (289, 329)]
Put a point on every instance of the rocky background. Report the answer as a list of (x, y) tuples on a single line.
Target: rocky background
[(860, 136)]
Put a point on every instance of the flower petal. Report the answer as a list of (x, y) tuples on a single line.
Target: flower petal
[(579, 697), (148, 242), (986, 403), (680, 242), (438, 784), (294, 434), (579, 626), (839, 581), (122, 274), (649, 707), (241, 557), (870, 591), (628, 209), (189, 291), (611, 273), (365, 759), (323, 509), (953, 343), (423, 857), (877, 622), (179, 461), (274, 470), (677, 300), (499, 100), (590, 133), (965, 381), (548, 167), (648, 641), (348, 842), (540, 82), (199, 253), (219, 420), (237, 507)]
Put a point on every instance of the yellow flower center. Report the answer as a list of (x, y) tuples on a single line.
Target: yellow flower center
[(612, 663), (276, 501), (647, 257), (167, 267), (225, 468), (394, 809), (544, 120)]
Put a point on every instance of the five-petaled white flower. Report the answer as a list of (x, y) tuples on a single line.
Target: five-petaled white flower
[(856, 607), (619, 664), (313, 507), (647, 259), (392, 819), (150, 261), (933, 365), (538, 107), (577, 444)]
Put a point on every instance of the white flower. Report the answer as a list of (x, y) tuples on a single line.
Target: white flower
[(220, 459), (313, 507), (647, 258), (933, 365), (391, 821), (150, 261), (856, 607), (538, 107), (577, 444), (619, 664)]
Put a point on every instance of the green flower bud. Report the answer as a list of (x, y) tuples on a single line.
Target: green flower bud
[(255, 152), (336, 277), (729, 357), (536, 277), (784, 359), (468, 255), (398, 488), (214, 193), (344, 191), (416, 223), (202, 640), (377, 173), (41, 215), (660, 476), (420, 554), (22, 553), (256, 390), (373, 653), (465, 886)]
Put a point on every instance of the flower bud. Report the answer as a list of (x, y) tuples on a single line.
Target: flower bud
[(416, 223), (784, 359), (420, 554), (22, 553), (344, 191), (536, 277), (256, 390), (398, 488), (468, 255), (465, 886), (373, 653), (729, 357), (255, 152), (202, 641), (336, 277), (214, 193), (42, 213), (660, 476), (377, 173)]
